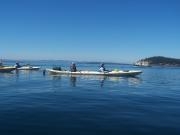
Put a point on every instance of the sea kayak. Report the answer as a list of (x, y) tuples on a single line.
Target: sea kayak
[(28, 68), (111, 73), (6, 69)]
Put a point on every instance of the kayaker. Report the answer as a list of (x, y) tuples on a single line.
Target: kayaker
[(73, 67), (102, 68), (17, 65)]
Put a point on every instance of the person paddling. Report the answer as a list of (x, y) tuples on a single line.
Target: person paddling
[(73, 67), (102, 68), (17, 65)]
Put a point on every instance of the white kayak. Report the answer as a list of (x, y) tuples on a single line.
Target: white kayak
[(6, 69), (28, 68), (111, 73)]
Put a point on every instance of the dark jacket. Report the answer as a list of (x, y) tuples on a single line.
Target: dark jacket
[(73, 68)]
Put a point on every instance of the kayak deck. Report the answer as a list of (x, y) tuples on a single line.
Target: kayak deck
[(111, 73)]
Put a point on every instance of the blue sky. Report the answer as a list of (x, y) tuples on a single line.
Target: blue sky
[(90, 30)]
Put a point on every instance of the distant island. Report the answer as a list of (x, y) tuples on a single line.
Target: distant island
[(158, 61)]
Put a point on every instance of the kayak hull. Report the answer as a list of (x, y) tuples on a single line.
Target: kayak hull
[(28, 68), (112, 73), (6, 69)]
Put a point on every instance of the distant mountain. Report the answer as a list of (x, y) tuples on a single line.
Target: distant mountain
[(158, 61)]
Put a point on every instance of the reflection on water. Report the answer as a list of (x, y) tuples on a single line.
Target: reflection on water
[(102, 82), (57, 77), (74, 79), (134, 80), (6, 74)]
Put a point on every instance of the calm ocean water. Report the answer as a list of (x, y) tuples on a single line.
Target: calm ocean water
[(31, 103)]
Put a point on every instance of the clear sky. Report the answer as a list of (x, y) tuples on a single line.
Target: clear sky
[(90, 30)]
